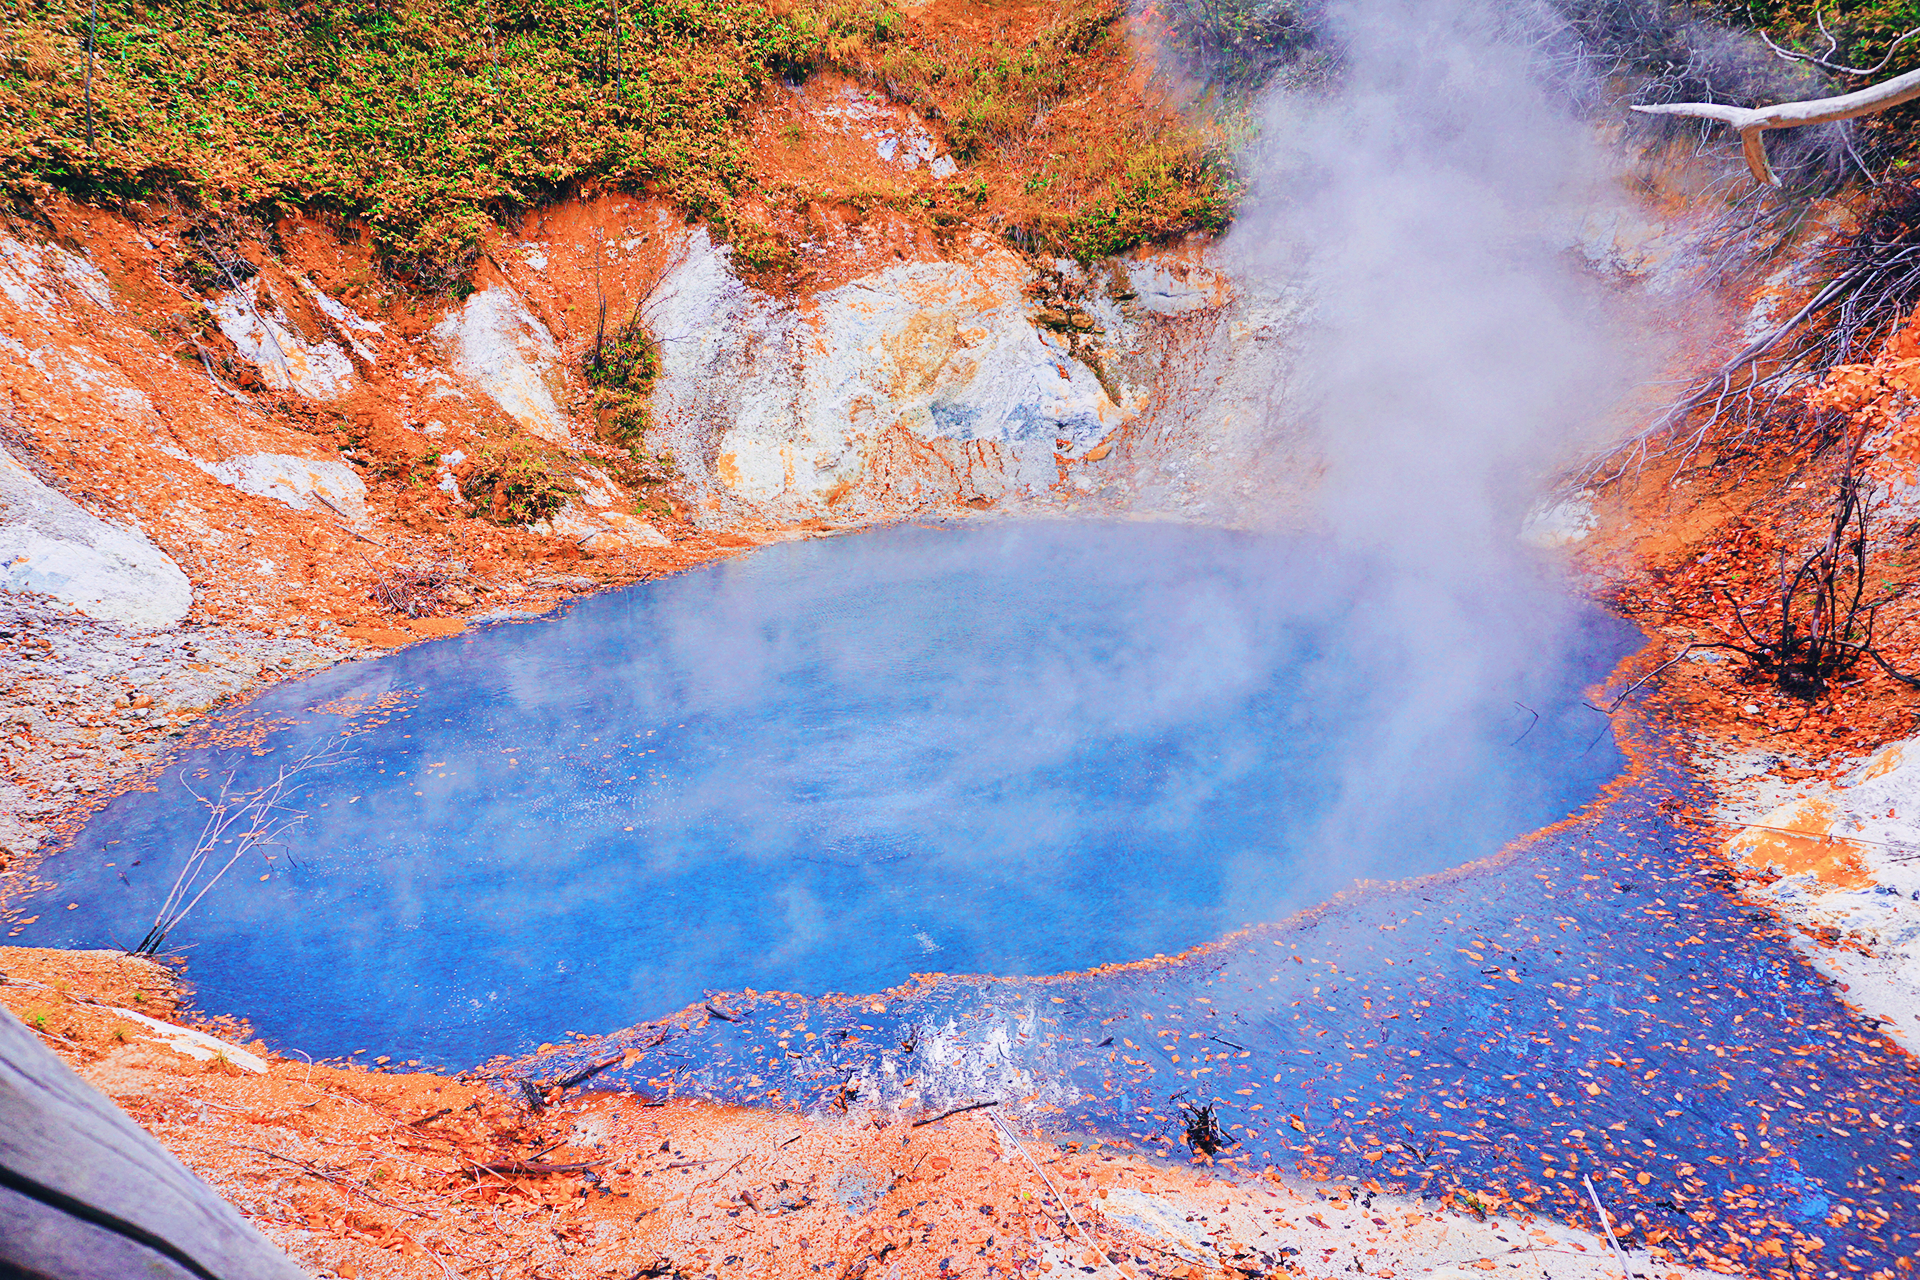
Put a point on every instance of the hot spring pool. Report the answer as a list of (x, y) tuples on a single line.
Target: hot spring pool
[(827, 765)]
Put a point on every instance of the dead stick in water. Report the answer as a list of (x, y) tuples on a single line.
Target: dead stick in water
[(971, 1106), (589, 1071), (1619, 1254), (1047, 1182)]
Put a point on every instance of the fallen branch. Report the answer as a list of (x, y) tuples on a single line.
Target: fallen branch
[(1751, 122), (325, 1175), (971, 1106), (1614, 706), (589, 1071), (1619, 1254), (1085, 1237), (52, 1035), (512, 1168), (286, 369)]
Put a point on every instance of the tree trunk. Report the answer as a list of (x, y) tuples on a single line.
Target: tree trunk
[(87, 1194)]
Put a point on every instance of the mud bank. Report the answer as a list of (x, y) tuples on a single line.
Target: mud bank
[(368, 1175)]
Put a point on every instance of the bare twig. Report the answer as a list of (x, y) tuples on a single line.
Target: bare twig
[(508, 1168), (417, 592), (1618, 1253), (724, 1172), (1614, 706), (328, 1175), (258, 819), (589, 1071), (1872, 281), (286, 368), (953, 1111), (1790, 55), (1047, 1182)]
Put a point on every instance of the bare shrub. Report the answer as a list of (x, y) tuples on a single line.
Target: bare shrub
[(237, 824), (418, 592)]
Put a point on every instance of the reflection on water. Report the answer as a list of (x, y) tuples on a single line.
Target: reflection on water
[(828, 765)]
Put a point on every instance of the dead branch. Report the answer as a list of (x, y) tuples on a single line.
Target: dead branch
[(337, 1177), (1833, 46), (1818, 623), (510, 1168), (255, 818), (1872, 280), (971, 1106), (418, 592), (1751, 122)]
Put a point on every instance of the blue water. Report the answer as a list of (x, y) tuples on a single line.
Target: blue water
[(825, 766), (1600, 1001)]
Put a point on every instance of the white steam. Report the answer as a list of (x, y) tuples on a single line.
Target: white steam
[(1430, 202)]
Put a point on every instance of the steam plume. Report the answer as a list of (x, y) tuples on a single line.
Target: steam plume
[(1429, 198)]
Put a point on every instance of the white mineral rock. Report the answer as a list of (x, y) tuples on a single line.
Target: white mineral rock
[(494, 342), (262, 333), (52, 546), (925, 382), (305, 484)]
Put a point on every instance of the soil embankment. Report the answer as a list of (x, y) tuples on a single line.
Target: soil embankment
[(1815, 804)]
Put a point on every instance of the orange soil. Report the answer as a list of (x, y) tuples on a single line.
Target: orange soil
[(325, 570), (1684, 546), (821, 185), (1688, 548), (1794, 840)]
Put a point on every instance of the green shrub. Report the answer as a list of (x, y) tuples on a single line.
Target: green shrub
[(429, 121), (518, 481), (425, 119), (1160, 191)]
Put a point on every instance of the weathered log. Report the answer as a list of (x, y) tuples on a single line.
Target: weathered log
[(1752, 122), (87, 1194)]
